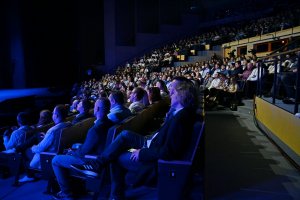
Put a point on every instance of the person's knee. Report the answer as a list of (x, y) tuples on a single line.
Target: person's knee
[(56, 161), (124, 134)]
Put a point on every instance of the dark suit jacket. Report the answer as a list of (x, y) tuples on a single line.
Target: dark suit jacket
[(95, 139), (170, 143), (172, 139)]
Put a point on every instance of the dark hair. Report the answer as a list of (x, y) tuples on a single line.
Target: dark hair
[(104, 104), (139, 93), (86, 104), (23, 118), (62, 111), (118, 96), (163, 86), (45, 117), (154, 94), (186, 91)]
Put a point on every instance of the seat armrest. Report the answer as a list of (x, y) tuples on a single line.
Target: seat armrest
[(172, 178), (94, 157), (173, 162), (46, 164), (48, 154)]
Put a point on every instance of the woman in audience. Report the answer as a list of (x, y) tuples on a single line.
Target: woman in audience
[(162, 87), (154, 94), (45, 118)]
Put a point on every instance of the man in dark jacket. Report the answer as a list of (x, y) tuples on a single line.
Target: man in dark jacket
[(94, 144), (169, 142)]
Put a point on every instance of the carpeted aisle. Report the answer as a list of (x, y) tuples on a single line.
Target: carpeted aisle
[(241, 163)]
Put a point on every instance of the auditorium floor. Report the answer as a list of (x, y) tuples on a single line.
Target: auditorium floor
[(241, 162)]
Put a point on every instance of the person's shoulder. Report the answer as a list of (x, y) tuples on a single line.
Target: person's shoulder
[(187, 111)]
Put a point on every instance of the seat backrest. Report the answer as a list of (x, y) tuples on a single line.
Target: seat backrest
[(45, 128), (112, 130), (74, 134), (141, 122), (197, 134)]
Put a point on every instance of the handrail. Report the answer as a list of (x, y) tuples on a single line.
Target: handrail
[(281, 53), (277, 77)]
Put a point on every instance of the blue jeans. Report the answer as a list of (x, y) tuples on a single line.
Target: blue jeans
[(116, 154), (124, 141), (119, 169), (61, 165)]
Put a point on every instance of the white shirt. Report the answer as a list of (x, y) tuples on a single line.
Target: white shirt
[(150, 140)]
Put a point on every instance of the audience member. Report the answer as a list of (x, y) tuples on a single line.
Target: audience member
[(51, 139), (45, 118), (73, 107), (16, 136), (94, 144), (162, 87), (154, 94), (83, 107), (169, 142), (136, 100), (118, 111)]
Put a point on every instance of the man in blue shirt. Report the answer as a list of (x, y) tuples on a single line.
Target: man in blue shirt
[(118, 111)]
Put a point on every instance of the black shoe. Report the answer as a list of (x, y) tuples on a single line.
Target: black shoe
[(91, 168), (64, 196), (288, 100)]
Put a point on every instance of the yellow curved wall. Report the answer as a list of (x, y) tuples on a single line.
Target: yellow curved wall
[(281, 123)]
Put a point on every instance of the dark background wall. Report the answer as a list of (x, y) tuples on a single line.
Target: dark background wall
[(49, 43), (53, 43)]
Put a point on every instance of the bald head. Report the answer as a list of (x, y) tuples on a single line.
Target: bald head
[(102, 107)]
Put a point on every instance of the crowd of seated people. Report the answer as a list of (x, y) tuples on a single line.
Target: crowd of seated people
[(285, 79), (112, 107), (168, 143), (241, 70), (219, 78)]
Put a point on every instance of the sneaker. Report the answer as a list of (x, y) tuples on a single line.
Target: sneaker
[(62, 195), (26, 179), (91, 168)]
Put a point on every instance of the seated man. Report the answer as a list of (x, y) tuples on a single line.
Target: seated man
[(136, 100), (170, 142), (18, 135), (94, 144), (83, 107), (118, 111), (50, 141), (35, 136)]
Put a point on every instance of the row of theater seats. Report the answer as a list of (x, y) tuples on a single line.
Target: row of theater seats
[(174, 173), (175, 178)]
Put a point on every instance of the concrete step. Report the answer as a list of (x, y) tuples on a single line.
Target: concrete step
[(195, 58), (177, 64)]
